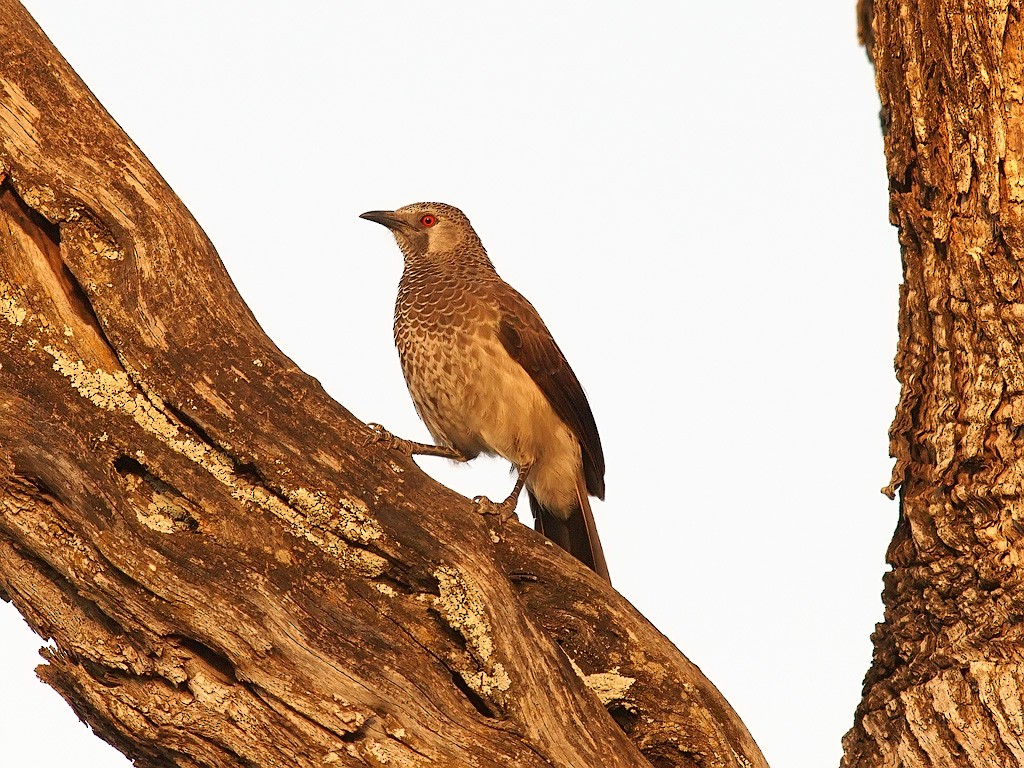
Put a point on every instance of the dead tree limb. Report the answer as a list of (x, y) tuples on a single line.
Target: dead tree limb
[(230, 574)]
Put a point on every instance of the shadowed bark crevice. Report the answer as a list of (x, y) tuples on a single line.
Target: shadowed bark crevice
[(41, 240)]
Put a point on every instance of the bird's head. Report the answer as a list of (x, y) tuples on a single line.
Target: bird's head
[(422, 229)]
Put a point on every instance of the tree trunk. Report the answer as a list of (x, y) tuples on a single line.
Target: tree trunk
[(945, 686), (230, 574)]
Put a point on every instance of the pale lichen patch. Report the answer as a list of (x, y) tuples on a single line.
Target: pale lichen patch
[(494, 684), (110, 391), (461, 604), (351, 517), (362, 562), (610, 687), (165, 513), (9, 309), (155, 519), (315, 505), (356, 522)]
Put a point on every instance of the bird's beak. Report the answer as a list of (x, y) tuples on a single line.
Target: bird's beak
[(387, 218)]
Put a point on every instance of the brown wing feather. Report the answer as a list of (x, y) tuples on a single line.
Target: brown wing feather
[(528, 341)]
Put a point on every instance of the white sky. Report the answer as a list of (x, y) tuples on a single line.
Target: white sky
[(694, 197)]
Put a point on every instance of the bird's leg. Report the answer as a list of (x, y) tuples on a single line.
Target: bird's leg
[(411, 448), (507, 508)]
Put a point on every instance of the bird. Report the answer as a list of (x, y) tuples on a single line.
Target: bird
[(487, 377)]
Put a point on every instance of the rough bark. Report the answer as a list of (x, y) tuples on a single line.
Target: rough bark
[(230, 574), (947, 681)]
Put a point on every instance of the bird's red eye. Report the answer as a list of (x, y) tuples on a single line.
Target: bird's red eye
[(428, 220)]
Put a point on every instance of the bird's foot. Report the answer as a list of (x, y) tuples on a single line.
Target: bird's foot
[(505, 510), (380, 436)]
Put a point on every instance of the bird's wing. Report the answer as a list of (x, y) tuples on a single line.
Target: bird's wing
[(528, 341)]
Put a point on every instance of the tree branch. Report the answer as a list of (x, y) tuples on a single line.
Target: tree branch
[(230, 574)]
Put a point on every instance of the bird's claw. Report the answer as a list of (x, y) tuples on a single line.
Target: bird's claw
[(380, 436), (504, 511)]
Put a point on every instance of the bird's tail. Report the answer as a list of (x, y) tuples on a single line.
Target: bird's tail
[(577, 535)]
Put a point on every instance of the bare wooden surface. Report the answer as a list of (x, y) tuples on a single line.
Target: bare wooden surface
[(945, 686), (230, 574)]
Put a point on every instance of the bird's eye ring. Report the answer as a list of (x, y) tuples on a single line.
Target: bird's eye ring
[(428, 220)]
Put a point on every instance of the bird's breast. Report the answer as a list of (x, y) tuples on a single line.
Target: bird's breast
[(472, 394), (467, 388)]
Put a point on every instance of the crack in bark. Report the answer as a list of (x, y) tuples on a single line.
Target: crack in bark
[(168, 509), (40, 242)]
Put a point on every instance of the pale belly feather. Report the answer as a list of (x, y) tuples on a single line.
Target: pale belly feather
[(473, 396)]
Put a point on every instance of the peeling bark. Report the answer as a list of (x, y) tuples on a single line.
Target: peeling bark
[(230, 574), (945, 685)]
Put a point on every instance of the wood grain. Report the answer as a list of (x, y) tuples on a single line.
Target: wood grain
[(944, 686), (230, 574)]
